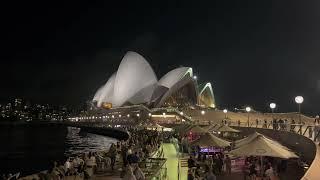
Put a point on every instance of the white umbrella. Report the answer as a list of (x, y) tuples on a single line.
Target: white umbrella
[(225, 128), (262, 146), (210, 140), (251, 137)]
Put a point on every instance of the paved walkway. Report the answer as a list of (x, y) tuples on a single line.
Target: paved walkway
[(172, 163)]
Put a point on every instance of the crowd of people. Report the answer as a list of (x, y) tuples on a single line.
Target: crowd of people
[(123, 156), (285, 125), (207, 167), (266, 168)]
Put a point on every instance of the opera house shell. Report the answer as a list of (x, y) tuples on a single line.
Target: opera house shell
[(136, 83)]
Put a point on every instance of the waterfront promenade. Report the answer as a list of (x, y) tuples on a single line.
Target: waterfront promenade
[(175, 171)]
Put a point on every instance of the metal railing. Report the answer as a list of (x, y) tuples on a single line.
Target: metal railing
[(302, 129)]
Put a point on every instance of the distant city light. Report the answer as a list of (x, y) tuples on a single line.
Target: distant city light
[(112, 116), (299, 99), (195, 77), (119, 115), (128, 115), (150, 114), (181, 113), (225, 111), (138, 115), (164, 114), (248, 109)]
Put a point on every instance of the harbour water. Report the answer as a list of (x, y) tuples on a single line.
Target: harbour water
[(30, 149)]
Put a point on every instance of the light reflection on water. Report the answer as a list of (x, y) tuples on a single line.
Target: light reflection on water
[(33, 148), (80, 142)]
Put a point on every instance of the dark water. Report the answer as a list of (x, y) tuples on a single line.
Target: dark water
[(30, 149)]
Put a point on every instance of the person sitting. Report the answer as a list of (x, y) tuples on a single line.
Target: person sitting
[(67, 167), (90, 164), (77, 164), (54, 173), (209, 174), (138, 173), (129, 174), (269, 172)]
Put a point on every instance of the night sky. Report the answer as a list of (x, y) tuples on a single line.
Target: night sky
[(253, 52)]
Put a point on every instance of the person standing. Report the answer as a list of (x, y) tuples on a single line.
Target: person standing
[(227, 161), (265, 124), (310, 131), (293, 126), (317, 119), (113, 155)]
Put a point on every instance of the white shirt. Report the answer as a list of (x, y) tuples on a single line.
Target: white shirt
[(269, 172), (67, 165), (91, 161), (76, 162)]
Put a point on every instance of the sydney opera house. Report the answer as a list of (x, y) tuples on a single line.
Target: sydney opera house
[(135, 84)]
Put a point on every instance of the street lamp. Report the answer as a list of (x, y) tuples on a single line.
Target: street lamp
[(195, 77), (299, 101), (203, 112), (272, 106), (225, 111), (248, 109)]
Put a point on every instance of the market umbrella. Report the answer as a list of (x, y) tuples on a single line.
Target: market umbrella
[(251, 137), (181, 129), (262, 146), (196, 130), (225, 128), (210, 127), (210, 140)]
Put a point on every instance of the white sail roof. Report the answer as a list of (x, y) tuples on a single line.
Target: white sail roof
[(133, 75), (174, 76), (98, 94), (135, 82), (107, 91)]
